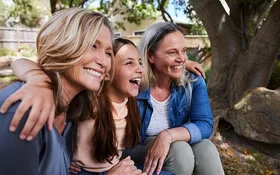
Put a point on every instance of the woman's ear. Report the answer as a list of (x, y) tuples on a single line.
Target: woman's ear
[(107, 77), (150, 58)]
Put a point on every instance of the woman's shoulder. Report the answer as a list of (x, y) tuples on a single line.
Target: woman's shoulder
[(192, 78), (9, 90)]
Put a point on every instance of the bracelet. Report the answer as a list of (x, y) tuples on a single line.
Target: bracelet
[(170, 135)]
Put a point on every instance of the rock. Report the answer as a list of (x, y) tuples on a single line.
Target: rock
[(5, 62), (257, 115)]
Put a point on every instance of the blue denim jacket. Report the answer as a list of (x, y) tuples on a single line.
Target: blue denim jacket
[(195, 115)]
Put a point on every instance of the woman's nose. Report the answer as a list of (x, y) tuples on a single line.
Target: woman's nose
[(181, 57)]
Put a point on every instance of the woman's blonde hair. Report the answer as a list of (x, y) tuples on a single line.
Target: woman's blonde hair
[(149, 44), (65, 38)]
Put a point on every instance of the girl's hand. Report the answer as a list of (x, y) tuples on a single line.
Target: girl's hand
[(157, 153), (74, 168), (37, 96), (124, 167), (195, 68)]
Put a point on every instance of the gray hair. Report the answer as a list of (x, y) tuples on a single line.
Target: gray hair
[(149, 44)]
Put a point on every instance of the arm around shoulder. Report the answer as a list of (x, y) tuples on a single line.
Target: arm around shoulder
[(16, 155)]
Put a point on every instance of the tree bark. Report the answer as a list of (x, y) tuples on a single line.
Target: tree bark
[(53, 5), (236, 68)]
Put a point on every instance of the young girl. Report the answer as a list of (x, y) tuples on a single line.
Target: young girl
[(117, 121)]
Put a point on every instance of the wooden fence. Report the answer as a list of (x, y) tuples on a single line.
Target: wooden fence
[(15, 38)]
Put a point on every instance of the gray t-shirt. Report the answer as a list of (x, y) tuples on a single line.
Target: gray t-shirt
[(49, 153)]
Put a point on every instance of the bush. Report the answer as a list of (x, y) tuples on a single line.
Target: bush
[(7, 51)]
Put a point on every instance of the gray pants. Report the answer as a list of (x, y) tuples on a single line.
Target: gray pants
[(183, 159)]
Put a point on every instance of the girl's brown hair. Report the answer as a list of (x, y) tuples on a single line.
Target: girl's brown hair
[(104, 140)]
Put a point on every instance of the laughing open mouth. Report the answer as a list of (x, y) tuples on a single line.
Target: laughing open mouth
[(135, 81)]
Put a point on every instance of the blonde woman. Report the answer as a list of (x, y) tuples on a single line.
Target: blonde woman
[(75, 52)]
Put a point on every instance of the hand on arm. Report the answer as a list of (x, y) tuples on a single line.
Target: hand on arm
[(35, 94), (74, 168), (124, 167), (195, 68), (160, 147)]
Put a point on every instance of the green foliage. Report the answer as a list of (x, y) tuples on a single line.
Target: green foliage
[(27, 12), (133, 11), (4, 13), (25, 51), (7, 51), (274, 81), (192, 57), (197, 29), (6, 80), (139, 12)]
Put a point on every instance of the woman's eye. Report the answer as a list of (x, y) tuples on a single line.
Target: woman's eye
[(109, 54), (128, 63), (172, 53)]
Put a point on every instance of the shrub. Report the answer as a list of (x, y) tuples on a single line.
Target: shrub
[(7, 51)]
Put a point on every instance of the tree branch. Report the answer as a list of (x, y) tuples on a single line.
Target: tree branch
[(269, 33)]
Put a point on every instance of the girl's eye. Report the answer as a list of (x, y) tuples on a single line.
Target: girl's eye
[(128, 63), (94, 46)]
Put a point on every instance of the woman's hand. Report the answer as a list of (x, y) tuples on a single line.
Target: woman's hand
[(195, 68), (124, 167), (157, 153), (39, 97)]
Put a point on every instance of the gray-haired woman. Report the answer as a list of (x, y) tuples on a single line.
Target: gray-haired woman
[(174, 109)]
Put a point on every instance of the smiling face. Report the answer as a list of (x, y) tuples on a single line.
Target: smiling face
[(95, 64), (128, 74), (169, 58)]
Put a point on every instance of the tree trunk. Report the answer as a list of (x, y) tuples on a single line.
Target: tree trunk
[(53, 5), (237, 67)]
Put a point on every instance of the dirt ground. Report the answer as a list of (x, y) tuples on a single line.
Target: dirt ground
[(241, 156)]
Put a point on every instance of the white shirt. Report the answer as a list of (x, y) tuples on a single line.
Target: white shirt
[(159, 119)]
